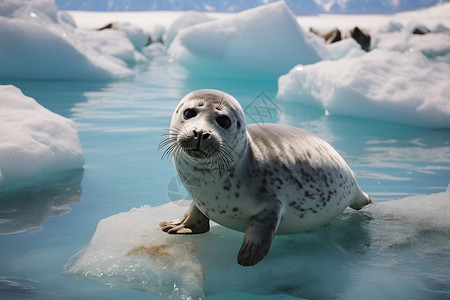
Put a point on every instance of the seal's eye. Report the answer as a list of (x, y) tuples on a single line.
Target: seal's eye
[(189, 113), (223, 121)]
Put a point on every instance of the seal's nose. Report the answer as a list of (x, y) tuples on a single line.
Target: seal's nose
[(199, 135)]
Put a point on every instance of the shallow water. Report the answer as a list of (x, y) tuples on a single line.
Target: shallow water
[(120, 127)]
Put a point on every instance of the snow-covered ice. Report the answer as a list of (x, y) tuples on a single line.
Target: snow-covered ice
[(120, 42), (129, 250), (38, 42), (186, 20), (34, 142), (435, 45), (340, 78), (342, 48), (266, 40), (384, 85), (404, 79)]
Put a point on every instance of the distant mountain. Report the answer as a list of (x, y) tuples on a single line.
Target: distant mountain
[(376, 6), (299, 7)]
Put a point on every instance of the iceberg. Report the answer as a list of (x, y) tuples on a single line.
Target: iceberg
[(186, 20), (34, 142), (403, 88), (342, 48), (260, 42), (121, 42), (129, 250), (39, 43)]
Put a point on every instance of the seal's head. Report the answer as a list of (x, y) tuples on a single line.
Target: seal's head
[(208, 126)]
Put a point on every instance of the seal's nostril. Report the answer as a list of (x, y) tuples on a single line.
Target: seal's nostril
[(205, 136), (196, 133)]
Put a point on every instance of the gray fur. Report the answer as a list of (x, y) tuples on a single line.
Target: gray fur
[(261, 179)]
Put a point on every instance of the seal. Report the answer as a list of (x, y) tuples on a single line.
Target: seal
[(261, 179)]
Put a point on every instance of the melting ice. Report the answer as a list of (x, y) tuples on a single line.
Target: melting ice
[(389, 243)]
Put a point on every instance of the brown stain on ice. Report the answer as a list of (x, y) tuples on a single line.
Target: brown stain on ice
[(159, 251), (162, 253)]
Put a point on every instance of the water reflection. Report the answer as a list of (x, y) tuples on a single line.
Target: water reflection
[(389, 160), (27, 208), (58, 97), (16, 285)]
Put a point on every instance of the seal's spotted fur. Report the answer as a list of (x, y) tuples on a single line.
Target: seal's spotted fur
[(261, 179)]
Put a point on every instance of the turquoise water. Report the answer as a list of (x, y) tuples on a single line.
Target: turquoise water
[(120, 126)]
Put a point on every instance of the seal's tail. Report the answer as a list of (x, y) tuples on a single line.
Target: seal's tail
[(361, 201)]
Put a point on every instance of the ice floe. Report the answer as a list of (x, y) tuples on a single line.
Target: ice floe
[(40, 43), (266, 40), (129, 250), (34, 142), (384, 85), (186, 20), (434, 42)]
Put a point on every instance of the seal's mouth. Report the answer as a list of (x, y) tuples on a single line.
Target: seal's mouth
[(196, 153)]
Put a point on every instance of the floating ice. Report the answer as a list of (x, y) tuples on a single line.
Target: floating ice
[(382, 85), (33, 140), (37, 43), (186, 20), (342, 48), (116, 43), (394, 36), (129, 250), (136, 35), (266, 40)]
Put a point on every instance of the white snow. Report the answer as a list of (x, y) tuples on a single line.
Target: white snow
[(430, 17), (118, 43), (186, 20), (400, 38), (39, 43), (384, 85), (34, 141), (404, 79), (144, 20), (342, 48), (129, 250), (266, 40), (396, 85)]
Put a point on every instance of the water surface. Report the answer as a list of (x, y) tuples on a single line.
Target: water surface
[(120, 126)]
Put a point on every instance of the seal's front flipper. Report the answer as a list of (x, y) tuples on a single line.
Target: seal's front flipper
[(258, 237), (192, 222)]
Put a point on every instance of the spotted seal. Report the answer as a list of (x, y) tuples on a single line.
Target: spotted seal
[(261, 179)]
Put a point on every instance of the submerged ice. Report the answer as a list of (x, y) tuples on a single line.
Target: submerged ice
[(384, 244)]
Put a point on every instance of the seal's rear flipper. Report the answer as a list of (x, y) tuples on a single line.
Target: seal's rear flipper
[(361, 201)]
